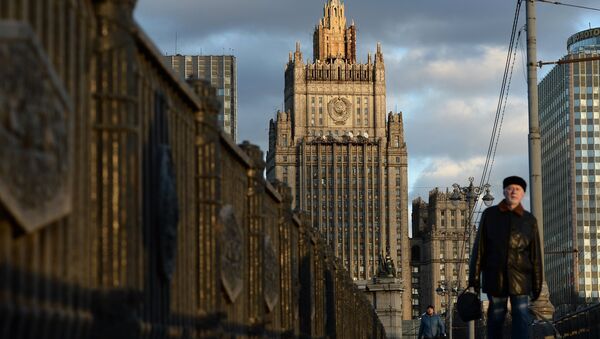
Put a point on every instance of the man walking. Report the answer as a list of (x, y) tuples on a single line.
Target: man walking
[(432, 325), (507, 253)]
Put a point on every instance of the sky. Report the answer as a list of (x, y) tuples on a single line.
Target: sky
[(444, 62)]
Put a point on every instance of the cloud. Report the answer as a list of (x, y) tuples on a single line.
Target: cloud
[(444, 64)]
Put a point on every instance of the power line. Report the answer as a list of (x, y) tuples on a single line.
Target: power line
[(568, 5), (495, 130), (512, 66), (495, 135)]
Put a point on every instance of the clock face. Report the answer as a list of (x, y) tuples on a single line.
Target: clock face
[(339, 110)]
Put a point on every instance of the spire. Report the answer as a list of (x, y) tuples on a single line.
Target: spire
[(332, 39), (298, 53), (378, 54)]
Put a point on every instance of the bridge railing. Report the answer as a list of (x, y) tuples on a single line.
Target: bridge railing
[(126, 213), (583, 324)]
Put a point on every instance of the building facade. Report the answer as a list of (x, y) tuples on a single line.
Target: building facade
[(343, 156), (570, 131), (440, 249), (221, 72)]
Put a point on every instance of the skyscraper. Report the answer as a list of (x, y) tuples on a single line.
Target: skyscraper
[(570, 132), (221, 72), (345, 162), (440, 251)]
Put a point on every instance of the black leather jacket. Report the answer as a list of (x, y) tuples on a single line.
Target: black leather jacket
[(507, 252)]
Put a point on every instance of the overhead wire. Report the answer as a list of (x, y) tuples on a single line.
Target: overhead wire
[(523, 58), (512, 66), (496, 129), (499, 118), (486, 169), (568, 5)]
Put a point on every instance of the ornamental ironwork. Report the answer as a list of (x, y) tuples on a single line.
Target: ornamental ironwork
[(232, 249), (168, 217), (271, 273), (35, 131)]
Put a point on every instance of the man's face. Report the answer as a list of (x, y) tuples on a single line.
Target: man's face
[(430, 311), (514, 194)]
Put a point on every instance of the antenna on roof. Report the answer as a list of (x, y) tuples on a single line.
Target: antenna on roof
[(175, 43)]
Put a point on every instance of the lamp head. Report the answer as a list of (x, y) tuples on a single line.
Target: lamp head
[(488, 198), (455, 197)]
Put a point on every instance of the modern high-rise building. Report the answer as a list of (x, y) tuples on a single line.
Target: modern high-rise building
[(221, 72), (343, 156), (440, 249), (570, 135)]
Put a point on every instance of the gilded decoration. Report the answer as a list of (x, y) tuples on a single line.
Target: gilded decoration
[(271, 273), (35, 132), (339, 110), (232, 249)]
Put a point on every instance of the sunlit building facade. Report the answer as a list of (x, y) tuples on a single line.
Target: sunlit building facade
[(570, 131), (221, 72), (439, 249), (343, 156)]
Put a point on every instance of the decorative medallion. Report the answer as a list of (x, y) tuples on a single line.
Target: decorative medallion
[(271, 274), (168, 213), (35, 131), (339, 110), (232, 249)]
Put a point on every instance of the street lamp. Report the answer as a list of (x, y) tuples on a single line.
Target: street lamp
[(442, 290), (471, 194)]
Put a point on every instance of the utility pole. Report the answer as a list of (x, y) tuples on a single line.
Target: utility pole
[(542, 306)]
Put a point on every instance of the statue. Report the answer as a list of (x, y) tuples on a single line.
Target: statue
[(380, 266), (389, 266), (386, 268)]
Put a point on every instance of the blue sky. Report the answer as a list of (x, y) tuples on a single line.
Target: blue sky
[(444, 62)]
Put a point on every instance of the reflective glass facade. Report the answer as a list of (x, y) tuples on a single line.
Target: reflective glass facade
[(570, 130)]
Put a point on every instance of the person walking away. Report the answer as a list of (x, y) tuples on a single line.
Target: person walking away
[(432, 325), (507, 254)]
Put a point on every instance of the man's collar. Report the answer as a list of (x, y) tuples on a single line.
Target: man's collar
[(503, 206)]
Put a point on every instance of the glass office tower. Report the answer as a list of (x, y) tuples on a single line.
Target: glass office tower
[(570, 132)]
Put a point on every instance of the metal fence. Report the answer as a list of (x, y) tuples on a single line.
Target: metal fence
[(583, 324), (126, 213)]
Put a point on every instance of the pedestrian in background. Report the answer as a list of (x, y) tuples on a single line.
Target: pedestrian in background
[(432, 326), (507, 252)]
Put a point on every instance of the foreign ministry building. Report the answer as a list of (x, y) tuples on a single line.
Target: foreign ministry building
[(343, 156)]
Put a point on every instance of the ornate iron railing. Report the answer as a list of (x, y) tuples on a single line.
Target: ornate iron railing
[(125, 212)]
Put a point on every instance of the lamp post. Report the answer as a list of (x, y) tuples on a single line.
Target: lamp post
[(471, 193), (443, 290)]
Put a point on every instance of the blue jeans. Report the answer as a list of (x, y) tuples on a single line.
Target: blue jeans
[(521, 317)]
